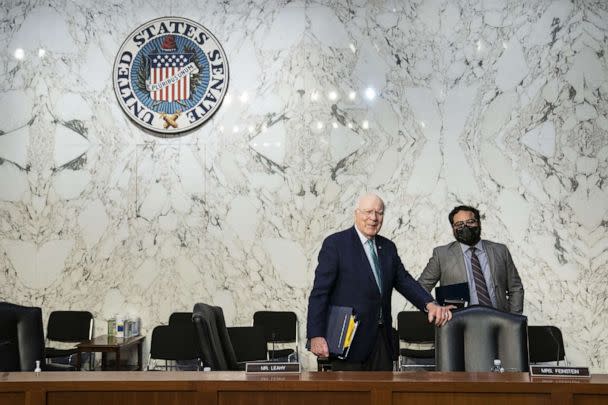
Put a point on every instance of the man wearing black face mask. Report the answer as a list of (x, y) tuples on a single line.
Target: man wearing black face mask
[(486, 266)]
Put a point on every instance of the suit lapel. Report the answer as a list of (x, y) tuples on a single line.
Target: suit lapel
[(382, 259), (364, 260), (456, 251), (491, 259)]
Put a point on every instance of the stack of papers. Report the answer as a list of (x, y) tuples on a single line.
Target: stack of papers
[(341, 329), (454, 294)]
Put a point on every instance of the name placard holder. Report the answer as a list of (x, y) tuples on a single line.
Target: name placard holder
[(272, 367), (559, 372)]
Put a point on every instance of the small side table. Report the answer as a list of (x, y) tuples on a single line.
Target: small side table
[(110, 344)]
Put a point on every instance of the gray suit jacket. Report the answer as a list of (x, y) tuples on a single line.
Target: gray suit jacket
[(447, 267)]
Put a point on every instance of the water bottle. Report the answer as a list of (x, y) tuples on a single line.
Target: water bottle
[(127, 328), (120, 326), (112, 327), (497, 367), (135, 325)]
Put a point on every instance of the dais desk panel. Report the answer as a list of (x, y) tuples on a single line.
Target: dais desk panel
[(219, 388)]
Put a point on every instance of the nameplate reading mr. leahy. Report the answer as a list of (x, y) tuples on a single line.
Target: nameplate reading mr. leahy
[(272, 367), (170, 75), (567, 372)]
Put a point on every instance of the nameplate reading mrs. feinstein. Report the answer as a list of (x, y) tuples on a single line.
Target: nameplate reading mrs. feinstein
[(568, 372), (272, 367)]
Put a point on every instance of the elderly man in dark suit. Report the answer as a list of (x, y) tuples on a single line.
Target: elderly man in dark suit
[(358, 268), (486, 266)]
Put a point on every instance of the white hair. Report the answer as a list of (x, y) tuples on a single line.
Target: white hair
[(368, 196)]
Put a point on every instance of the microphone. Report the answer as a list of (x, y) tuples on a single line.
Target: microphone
[(550, 330)]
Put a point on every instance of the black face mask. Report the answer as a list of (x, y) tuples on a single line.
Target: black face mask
[(468, 235)]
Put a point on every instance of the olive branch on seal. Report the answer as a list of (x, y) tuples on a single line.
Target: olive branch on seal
[(143, 74)]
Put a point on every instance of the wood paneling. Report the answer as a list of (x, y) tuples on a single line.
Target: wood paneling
[(121, 398), (228, 388), (12, 398), (587, 399), (469, 398), (293, 398)]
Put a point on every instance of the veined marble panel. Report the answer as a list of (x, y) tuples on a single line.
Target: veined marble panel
[(432, 103)]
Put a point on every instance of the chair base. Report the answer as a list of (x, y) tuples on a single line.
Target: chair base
[(416, 364), (323, 364), (59, 367)]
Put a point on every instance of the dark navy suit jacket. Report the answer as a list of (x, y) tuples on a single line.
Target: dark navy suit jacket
[(344, 277)]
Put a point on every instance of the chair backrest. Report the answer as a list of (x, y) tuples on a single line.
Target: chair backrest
[(169, 342), (249, 343), (278, 326), (418, 336), (208, 337), (414, 327), (477, 335), (214, 341), (229, 354), (21, 337), (70, 326), (181, 323), (180, 318), (546, 344)]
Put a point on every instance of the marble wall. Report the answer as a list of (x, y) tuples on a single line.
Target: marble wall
[(433, 103)]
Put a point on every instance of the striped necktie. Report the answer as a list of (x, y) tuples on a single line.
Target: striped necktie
[(480, 282)]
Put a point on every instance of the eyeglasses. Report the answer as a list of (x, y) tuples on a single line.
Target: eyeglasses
[(468, 222), (370, 213)]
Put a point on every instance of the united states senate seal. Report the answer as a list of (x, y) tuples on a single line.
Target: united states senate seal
[(170, 75)]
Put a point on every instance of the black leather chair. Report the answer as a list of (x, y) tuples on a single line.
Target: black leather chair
[(21, 337), (280, 327), (69, 328), (224, 337), (214, 342), (477, 335), (248, 342), (176, 345), (415, 330), (187, 334), (546, 344)]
